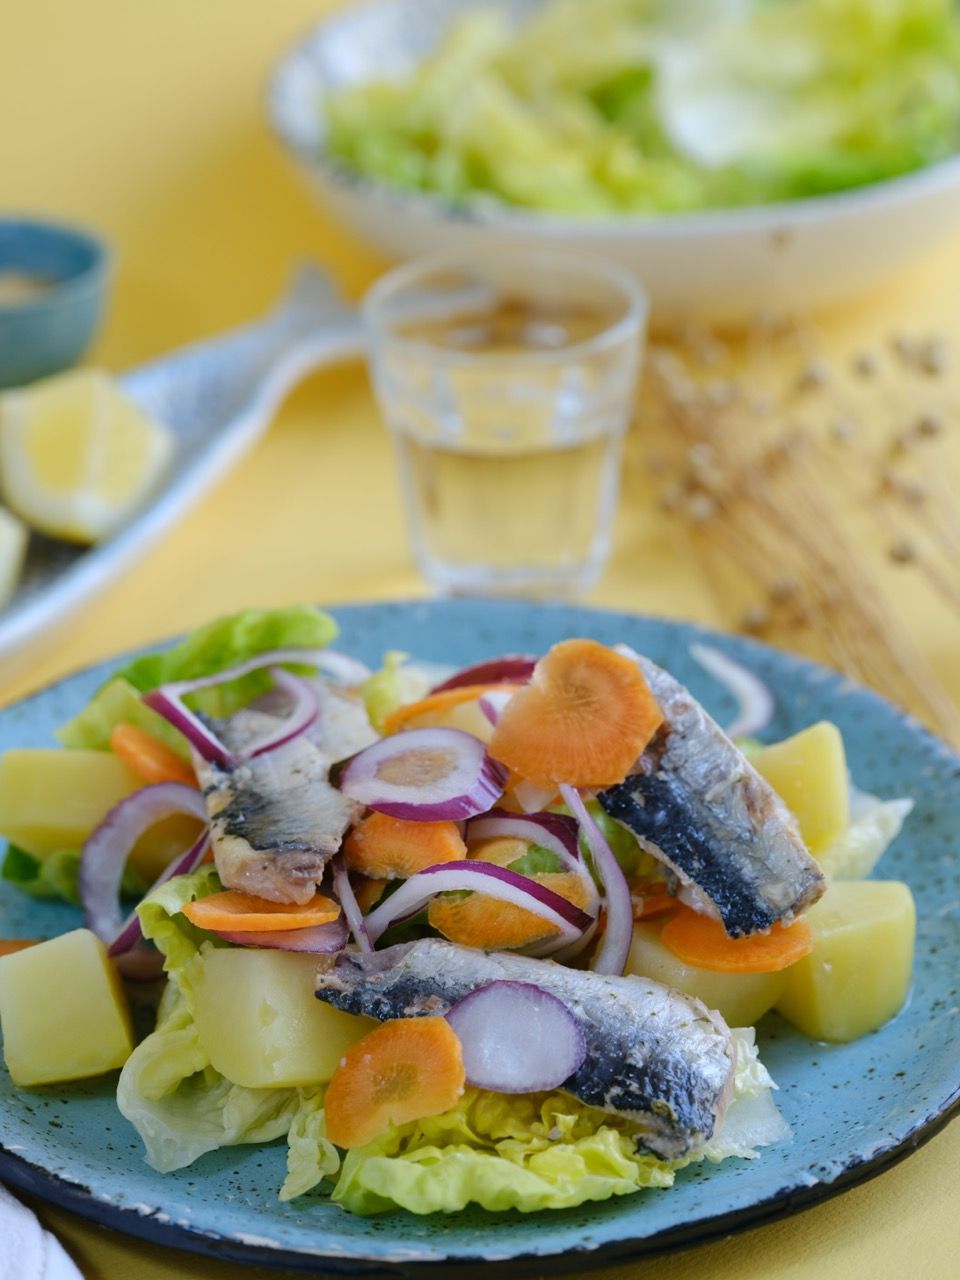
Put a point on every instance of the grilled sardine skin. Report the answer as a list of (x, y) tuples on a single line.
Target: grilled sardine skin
[(275, 820), (653, 1055), (696, 803)]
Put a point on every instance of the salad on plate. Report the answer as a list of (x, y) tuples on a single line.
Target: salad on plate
[(494, 936)]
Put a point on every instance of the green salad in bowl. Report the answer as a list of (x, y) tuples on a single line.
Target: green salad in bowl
[(643, 106)]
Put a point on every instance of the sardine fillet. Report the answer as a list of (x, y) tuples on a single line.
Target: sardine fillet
[(696, 803), (275, 820), (656, 1056)]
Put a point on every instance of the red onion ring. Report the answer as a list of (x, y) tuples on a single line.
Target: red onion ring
[(611, 955), (320, 939), (756, 702), (105, 852), (349, 905), (479, 877), (387, 777), (130, 932), (513, 668), (553, 831)]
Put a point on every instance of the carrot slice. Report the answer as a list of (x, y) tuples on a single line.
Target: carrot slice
[(649, 905), (482, 921), (403, 1070), (368, 892), (436, 703), (583, 719), (231, 912), (9, 945), (148, 756), (386, 848), (703, 942)]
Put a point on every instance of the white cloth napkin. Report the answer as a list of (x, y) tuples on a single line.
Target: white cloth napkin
[(27, 1252)]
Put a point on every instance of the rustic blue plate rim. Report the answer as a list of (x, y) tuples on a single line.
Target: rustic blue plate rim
[(481, 628)]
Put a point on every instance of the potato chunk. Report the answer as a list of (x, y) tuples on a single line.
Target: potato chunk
[(262, 1024), (809, 773), (740, 998), (53, 799), (858, 973), (63, 1011)]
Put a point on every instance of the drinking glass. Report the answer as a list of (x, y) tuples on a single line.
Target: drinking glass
[(507, 383)]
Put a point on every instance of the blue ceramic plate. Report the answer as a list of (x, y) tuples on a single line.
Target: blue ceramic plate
[(854, 1109)]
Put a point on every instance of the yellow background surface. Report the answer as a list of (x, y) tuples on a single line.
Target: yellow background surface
[(144, 120)]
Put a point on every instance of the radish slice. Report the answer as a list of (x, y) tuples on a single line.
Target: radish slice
[(553, 831), (512, 668), (531, 797), (755, 700), (425, 775), (517, 1038), (479, 877), (321, 939), (493, 702), (348, 902), (611, 955), (130, 933), (106, 851)]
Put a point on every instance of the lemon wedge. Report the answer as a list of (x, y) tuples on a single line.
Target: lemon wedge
[(13, 550), (77, 457)]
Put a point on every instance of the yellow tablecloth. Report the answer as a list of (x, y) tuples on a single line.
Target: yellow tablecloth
[(145, 121)]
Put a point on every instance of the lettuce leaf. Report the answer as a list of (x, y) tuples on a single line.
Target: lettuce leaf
[(164, 924), (310, 1157), (538, 1151), (118, 702), (874, 825), (395, 684), (56, 875)]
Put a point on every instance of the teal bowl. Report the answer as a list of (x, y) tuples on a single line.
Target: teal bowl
[(49, 330)]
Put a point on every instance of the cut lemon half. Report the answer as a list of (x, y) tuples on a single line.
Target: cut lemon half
[(76, 456), (13, 549)]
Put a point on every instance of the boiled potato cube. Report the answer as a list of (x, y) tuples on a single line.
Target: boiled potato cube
[(53, 799), (261, 1023), (741, 998), (63, 1011), (858, 973), (809, 773)]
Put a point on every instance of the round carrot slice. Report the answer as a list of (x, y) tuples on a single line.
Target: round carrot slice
[(386, 848), (403, 1070), (233, 912), (703, 942), (584, 718), (478, 920)]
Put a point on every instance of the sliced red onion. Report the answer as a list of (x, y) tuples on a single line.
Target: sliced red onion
[(168, 702), (349, 671), (531, 797), (351, 908), (553, 831), (561, 951), (106, 851), (512, 668), (611, 955), (130, 932), (425, 775), (320, 939), (493, 702), (478, 877), (755, 700), (517, 1038)]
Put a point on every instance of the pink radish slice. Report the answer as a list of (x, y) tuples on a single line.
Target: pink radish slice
[(425, 775), (321, 939), (611, 955), (517, 1038), (513, 668), (479, 877)]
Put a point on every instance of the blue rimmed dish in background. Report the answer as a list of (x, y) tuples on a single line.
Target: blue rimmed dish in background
[(47, 324)]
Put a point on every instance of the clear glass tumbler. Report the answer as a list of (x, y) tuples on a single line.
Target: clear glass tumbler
[(507, 383)]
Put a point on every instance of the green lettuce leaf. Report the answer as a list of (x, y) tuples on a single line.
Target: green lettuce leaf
[(164, 924), (874, 825), (118, 702), (394, 685), (538, 1151), (56, 875), (310, 1156)]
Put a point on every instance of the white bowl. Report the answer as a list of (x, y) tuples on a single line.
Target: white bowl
[(722, 265)]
